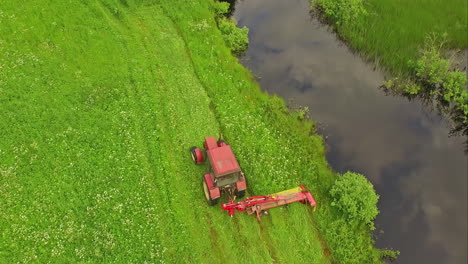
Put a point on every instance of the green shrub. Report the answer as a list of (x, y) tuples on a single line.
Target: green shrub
[(411, 88), (355, 196), (221, 8), (350, 248), (342, 11), (237, 39), (389, 254), (356, 202), (434, 72), (454, 88), (402, 86), (431, 67)]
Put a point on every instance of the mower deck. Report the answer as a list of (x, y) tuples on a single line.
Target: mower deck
[(258, 204)]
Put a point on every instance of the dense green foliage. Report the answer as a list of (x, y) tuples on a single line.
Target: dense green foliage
[(353, 209), (237, 39), (389, 254), (435, 74), (354, 195), (342, 11), (341, 235), (100, 102), (221, 8)]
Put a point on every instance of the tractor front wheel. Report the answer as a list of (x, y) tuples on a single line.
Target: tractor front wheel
[(211, 202), (197, 155)]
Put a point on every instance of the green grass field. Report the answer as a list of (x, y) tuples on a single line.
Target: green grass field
[(394, 31), (99, 104)]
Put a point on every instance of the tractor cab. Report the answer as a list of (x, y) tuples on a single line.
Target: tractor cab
[(223, 165), (224, 174)]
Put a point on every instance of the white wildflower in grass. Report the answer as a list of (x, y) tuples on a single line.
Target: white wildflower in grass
[(203, 25)]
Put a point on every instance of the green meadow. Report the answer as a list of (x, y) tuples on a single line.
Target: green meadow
[(392, 32), (100, 102)]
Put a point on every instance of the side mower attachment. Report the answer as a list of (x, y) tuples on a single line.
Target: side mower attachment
[(257, 204)]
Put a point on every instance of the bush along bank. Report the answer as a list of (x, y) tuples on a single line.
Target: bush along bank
[(409, 40), (275, 147), (237, 39)]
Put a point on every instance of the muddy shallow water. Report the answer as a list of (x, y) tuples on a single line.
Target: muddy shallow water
[(402, 147)]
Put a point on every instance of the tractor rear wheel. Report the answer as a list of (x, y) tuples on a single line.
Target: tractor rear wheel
[(240, 194), (197, 155), (211, 202)]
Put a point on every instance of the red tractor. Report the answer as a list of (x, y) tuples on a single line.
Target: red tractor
[(223, 172)]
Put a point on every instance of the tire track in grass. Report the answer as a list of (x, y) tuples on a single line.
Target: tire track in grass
[(271, 249), (168, 96), (227, 229), (175, 225), (323, 242), (173, 187), (148, 157), (264, 236), (214, 240), (212, 229), (176, 222)]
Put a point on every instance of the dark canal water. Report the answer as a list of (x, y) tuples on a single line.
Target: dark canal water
[(402, 147)]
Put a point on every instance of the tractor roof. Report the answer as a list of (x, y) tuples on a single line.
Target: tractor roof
[(223, 160)]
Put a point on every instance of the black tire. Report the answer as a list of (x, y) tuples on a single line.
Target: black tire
[(212, 202), (240, 194), (209, 201), (194, 155)]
